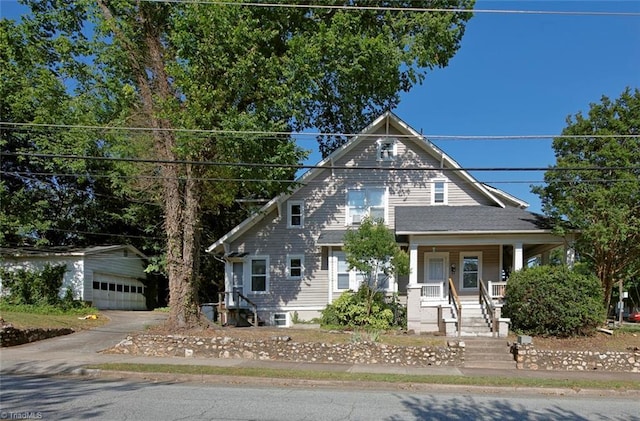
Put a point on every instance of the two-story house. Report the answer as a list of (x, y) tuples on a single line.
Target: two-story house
[(463, 237)]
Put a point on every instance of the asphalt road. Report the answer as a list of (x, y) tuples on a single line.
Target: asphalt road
[(73, 399)]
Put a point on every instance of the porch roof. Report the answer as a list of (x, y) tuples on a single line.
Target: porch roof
[(456, 219)]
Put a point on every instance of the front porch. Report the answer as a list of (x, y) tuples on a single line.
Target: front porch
[(459, 290)]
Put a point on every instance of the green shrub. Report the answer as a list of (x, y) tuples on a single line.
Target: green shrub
[(34, 287), (553, 301), (351, 310)]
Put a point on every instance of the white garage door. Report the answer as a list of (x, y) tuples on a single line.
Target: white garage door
[(112, 292)]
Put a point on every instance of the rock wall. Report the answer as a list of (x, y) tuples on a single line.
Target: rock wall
[(283, 349), (10, 336), (529, 358)]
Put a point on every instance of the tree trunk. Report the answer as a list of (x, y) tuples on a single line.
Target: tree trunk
[(180, 199)]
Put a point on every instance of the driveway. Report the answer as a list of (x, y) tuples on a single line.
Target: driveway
[(67, 353)]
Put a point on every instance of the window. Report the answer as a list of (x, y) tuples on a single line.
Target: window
[(103, 286), (342, 271), (96, 285), (126, 288), (386, 149), (140, 290), (471, 270), (112, 287), (280, 319), (346, 279), (119, 287), (295, 266), (439, 194), (258, 275), (296, 214), (367, 202)]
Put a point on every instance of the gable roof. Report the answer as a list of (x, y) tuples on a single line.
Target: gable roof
[(494, 195), (467, 219), (67, 251)]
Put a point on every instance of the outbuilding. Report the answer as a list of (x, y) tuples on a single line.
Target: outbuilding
[(108, 277)]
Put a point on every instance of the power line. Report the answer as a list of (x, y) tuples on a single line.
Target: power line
[(279, 134), (329, 167), (395, 9)]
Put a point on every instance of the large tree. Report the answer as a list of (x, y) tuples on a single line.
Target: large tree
[(236, 70), (594, 187)]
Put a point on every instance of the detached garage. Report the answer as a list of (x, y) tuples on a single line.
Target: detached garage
[(107, 276)]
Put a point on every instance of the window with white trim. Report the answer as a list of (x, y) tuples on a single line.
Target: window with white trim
[(366, 202), (295, 266), (259, 274), (296, 213), (386, 150), (439, 193), (352, 279), (280, 319)]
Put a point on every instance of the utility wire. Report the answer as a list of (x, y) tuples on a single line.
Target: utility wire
[(395, 9), (329, 167), (278, 134)]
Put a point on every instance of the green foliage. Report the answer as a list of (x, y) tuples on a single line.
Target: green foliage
[(75, 307), (553, 301), (372, 250), (34, 287), (598, 190), (353, 310)]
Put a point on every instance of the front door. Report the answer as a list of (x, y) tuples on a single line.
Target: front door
[(237, 282), (470, 271), (435, 275)]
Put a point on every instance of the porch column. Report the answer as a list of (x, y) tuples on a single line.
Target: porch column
[(518, 256), (413, 264), (570, 257)]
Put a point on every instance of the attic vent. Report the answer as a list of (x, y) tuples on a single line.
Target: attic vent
[(386, 149)]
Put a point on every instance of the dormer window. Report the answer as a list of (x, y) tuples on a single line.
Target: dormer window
[(386, 149)]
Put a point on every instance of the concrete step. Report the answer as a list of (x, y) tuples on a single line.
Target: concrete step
[(488, 353)]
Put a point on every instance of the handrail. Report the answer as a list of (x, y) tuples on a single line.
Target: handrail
[(254, 306), (485, 300), (457, 304)]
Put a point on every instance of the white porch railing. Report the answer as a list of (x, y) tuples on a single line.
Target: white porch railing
[(497, 289), (433, 291)]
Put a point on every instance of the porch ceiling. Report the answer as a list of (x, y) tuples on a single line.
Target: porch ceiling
[(425, 219)]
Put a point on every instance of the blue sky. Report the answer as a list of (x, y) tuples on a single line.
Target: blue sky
[(523, 75), (517, 74)]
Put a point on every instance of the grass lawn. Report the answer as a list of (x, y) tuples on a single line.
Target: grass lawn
[(22, 320), (398, 379)]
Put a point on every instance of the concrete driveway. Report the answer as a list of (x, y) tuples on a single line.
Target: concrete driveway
[(67, 353)]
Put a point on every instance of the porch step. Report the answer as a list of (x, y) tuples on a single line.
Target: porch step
[(488, 353)]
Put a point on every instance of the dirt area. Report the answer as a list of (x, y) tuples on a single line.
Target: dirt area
[(619, 341)]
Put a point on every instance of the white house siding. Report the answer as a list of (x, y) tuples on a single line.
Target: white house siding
[(116, 268), (82, 269), (73, 276)]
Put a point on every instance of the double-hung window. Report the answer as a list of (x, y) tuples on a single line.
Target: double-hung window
[(259, 276), (295, 266), (296, 214), (352, 279), (366, 202), (439, 194)]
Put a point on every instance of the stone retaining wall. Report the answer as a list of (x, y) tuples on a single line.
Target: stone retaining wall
[(10, 336), (283, 349), (529, 358)]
